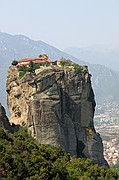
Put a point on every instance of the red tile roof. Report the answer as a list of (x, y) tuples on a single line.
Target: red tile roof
[(35, 60), (30, 59)]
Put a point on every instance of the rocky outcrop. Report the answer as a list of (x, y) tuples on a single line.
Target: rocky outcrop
[(4, 122), (58, 105)]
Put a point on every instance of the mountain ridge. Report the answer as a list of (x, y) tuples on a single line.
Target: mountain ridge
[(97, 54), (20, 46)]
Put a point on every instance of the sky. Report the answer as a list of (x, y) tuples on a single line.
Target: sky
[(63, 23)]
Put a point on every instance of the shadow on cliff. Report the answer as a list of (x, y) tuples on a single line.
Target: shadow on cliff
[(71, 107)]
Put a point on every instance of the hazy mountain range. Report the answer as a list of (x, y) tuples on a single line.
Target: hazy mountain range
[(97, 55), (105, 81)]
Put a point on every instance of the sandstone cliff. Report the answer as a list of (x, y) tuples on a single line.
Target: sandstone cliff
[(58, 105)]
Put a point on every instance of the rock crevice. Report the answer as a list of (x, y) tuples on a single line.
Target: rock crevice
[(4, 122)]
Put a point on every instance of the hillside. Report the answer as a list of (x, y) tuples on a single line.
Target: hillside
[(19, 46), (104, 79), (97, 55)]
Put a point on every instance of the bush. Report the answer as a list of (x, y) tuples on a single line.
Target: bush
[(21, 74), (14, 62), (65, 62), (31, 64), (30, 69), (45, 64), (21, 68), (77, 68), (40, 56), (2, 134), (21, 157)]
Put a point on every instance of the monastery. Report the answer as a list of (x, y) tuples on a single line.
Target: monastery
[(40, 59)]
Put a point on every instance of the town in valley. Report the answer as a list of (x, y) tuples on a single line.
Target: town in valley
[(107, 124)]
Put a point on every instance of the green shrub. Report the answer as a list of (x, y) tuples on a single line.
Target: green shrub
[(45, 64), (40, 56), (54, 63), (36, 66), (30, 69), (21, 157), (21, 74), (77, 68), (31, 64), (14, 62), (2, 133), (65, 62), (21, 68)]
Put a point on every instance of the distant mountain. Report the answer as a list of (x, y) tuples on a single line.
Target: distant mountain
[(96, 55), (105, 81), (18, 47)]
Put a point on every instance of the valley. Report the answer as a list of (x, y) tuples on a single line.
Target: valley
[(107, 124)]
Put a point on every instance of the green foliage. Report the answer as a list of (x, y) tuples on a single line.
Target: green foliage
[(21, 74), (54, 63), (36, 66), (46, 63), (77, 68), (40, 56), (30, 68), (23, 69), (65, 62), (31, 64), (14, 62), (2, 134), (21, 157)]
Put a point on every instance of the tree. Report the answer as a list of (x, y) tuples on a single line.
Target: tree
[(31, 64), (63, 63), (40, 55), (77, 68), (21, 157), (14, 62)]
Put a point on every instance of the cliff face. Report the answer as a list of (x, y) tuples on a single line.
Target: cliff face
[(4, 122), (58, 106)]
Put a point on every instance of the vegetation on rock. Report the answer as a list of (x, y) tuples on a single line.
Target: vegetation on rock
[(65, 62), (77, 68), (21, 157), (31, 67), (24, 69), (14, 62)]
